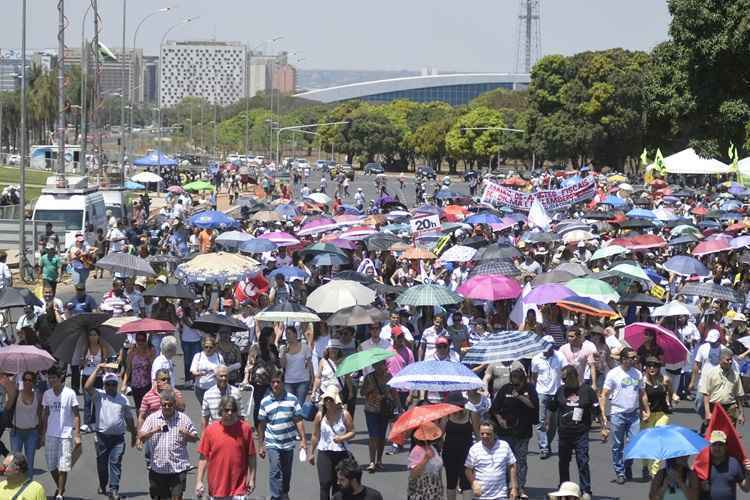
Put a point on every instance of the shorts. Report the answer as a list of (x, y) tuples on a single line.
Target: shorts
[(376, 425), (166, 485), (58, 452)]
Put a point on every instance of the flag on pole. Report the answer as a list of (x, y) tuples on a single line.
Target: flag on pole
[(106, 54), (644, 157), (720, 421), (538, 216), (659, 166)]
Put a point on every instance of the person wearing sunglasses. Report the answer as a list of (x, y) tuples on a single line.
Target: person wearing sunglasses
[(624, 390), (113, 417), (659, 394)]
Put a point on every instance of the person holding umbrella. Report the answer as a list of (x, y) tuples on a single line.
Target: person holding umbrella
[(659, 394), (425, 464), (675, 481)]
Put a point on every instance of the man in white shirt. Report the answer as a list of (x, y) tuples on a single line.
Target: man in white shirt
[(385, 332), (624, 389), (6, 278), (429, 336), (529, 265), (116, 238), (582, 354), (372, 342), (706, 357), (489, 464), (546, 368)]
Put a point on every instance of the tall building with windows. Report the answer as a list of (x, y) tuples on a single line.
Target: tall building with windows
[(270, 71), (110, 73), (212, 70), (11, 63)]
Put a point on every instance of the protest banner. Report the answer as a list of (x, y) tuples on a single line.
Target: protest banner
[(495, 194)]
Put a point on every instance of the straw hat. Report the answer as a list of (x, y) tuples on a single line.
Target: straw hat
[(567, 489), (428, 432), (333, 393)]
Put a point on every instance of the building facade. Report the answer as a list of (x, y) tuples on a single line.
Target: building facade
[(211, 70), (11, 62), (110, 73), (270, 71)]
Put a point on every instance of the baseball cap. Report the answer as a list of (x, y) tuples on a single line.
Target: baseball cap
[(712, 336), (396, 331), (718, 437), (442, 341), (110, 377)]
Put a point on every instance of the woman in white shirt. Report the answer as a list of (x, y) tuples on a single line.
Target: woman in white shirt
[(296, 363), (203, 367)]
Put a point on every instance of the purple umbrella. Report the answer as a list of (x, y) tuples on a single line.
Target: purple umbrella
[(22, 358), (317, 226), (384, 200), (345, 244), (740, 241), (547, 294)]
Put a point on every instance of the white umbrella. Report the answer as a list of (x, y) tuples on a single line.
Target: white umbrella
[(321, 198), (338, 294), (674, 308), (146, 177), (458, 253)]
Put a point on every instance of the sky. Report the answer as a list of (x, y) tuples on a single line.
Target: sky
[(448, 35)]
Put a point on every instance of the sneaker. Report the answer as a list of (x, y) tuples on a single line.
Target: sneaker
[(85, 428), (586, 496), (393, 450), (620, 480), (544, 454)]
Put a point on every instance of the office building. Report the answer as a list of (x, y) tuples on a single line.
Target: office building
[(212, 70), (284, 78), (110, 73), (11, 64), (270, 71)]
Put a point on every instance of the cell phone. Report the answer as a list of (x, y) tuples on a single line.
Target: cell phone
[(165, 428)]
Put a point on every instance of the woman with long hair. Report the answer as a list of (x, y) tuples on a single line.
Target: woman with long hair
[(425, 464), (138, 368), (332, 430), (572, 407), (96, 352), (659, 394), (26, 405), (295, 361), (379, 398), (262, 361), (326, 376)]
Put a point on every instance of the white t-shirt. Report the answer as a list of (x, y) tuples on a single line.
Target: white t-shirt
[(206, 365), (297, 365), (369, 344), (624, 389), (490, 467), (708, 358), (162, 363), (385, 333), (116, 240), (547, 370), (60, 420), (5, 275)]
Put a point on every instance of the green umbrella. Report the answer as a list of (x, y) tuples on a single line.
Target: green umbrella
[(198, 186), (607, 252), (358, 360), (631, 271), (428, 295), (594, 289), (686, 229)]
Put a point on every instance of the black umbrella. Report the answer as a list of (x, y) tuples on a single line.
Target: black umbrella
[(683, 240), (126, 264), (476, 242), (672, 223), (18, 297), (381, 242), (498, 252), (597, 215), (714, 291), (79, 323), (170, 290), (358, 315), (552, 277), (67, 347), (353, 276), (636, 224), (383, 289), (212, 323), (540, 237), (70, 332), (640, 299), (495, 266), (683, 193)]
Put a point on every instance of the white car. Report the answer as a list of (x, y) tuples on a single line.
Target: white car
[(301, 163), (14, 159), (321, 165)]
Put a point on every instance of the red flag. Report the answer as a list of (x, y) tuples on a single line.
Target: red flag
[(720, 421)]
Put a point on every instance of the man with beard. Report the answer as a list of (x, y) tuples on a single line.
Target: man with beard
[(349, 478)]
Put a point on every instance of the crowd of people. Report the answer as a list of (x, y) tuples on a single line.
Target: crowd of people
[(617, 356)]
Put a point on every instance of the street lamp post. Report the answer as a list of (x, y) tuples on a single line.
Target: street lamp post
[(123, 86), (61, 93), (24, 146), (503, 129), (301, 127), (84, 94)]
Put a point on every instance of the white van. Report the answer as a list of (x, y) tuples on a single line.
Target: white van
[(74, 207)]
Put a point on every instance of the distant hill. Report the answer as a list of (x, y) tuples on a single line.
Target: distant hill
[(313, 79)]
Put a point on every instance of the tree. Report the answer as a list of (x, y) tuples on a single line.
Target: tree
[(474, 145)]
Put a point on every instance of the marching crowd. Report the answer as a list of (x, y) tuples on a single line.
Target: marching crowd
[(627, 342)]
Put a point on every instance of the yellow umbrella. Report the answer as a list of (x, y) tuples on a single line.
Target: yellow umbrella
[(616, 179), (219, 268)]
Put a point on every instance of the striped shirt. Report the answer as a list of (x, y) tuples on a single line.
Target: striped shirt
[(151, 402), (280, 415), (169, 453), (212, 398)]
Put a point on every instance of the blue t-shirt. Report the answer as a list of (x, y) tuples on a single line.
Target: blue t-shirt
[(724, 479)]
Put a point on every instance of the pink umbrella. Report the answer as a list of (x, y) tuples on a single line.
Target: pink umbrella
[(490, 287), (317, 226), (358, 233), (22, 358), (674, 350), (548, 294), (348, 220), (345, 244), (281, 238), (147, 325), (713, 246), (175, 189)]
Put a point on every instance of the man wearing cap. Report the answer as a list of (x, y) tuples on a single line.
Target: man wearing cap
[(113, 417), (726, 472), (546, 369), (706, 357), (722, 385)]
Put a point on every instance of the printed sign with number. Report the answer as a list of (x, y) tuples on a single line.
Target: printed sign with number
[(425, 224)]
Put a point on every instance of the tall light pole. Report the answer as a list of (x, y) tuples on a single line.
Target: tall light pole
[(123, 86), (61, 94), (84, 94), (159, 74), (131, 94), (303, 127), (24, 146)]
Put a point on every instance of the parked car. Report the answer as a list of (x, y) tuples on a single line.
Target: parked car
[(14, 159), (374, 169), (347, 170), (322, 165), (426, 171)]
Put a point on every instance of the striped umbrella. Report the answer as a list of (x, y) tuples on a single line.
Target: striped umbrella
[(126, 264), (458, 253), (358, 233), (216, 268), (317, 226), (441, 376), (504, 346), (428, 295), (281, 238), (587, 305), (496, 266), (714, 291)]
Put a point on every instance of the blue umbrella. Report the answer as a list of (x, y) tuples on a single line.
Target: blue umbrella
[(286, 210), (730, 205), (682, 240), (232, 239), (665, 442), (441, 376), (133, 186), (289, 273), (349, 210), (329, 259), (445, 194), (505, 346), (258, 245), (641, 213), (483, 218), (615, 201), (685, 265), (428, 209), (212, 219), (730, 216)]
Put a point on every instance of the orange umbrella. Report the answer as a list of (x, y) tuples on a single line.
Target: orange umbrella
[(418, 253), (399, 247), (456, 211), (515, 181), (418, 415)]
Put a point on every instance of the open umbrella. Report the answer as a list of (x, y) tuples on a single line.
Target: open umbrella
[(213, 323), (217, 268), (381, 242), (23, 358), (321, 247), (257, 245), (713, 290), (266, 216), (232, 240), (147, 325), (338, 294), (674, 350), (18, 297), (70, 332), (329, 259), (458, 253), (146, 177), (316, 226), (493, 252), (289, 273), (428, 295), (685, 265), (587, 305), (547, 293), (496, 266), (640, 299), (126, 264), (418, 415), (552, 277), (362, 359), (578, 235), (281, 238), (593, 288), (674, 308), (630, 271), (504, 346), (198, 186), (418, 253), (665, 442), (712, 246), (574, 268), (321, 198), (440, 376), (490, 287), (288, 311), (357, 315), (608, 251), (170, 290), (212, 219)]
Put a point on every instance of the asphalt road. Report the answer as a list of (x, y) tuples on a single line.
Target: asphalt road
[(392, 483)]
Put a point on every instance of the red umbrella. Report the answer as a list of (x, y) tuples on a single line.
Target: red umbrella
[(641, 242), (147, 325), (515, 181), (418, 415), (699, 211), (711, 246)]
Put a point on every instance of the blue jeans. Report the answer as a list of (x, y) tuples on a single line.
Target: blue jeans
[(299, 389), (279, 472), (88, 401), (546, 438), (25, 442), (189, 349), (109, 452), (624, 426)]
